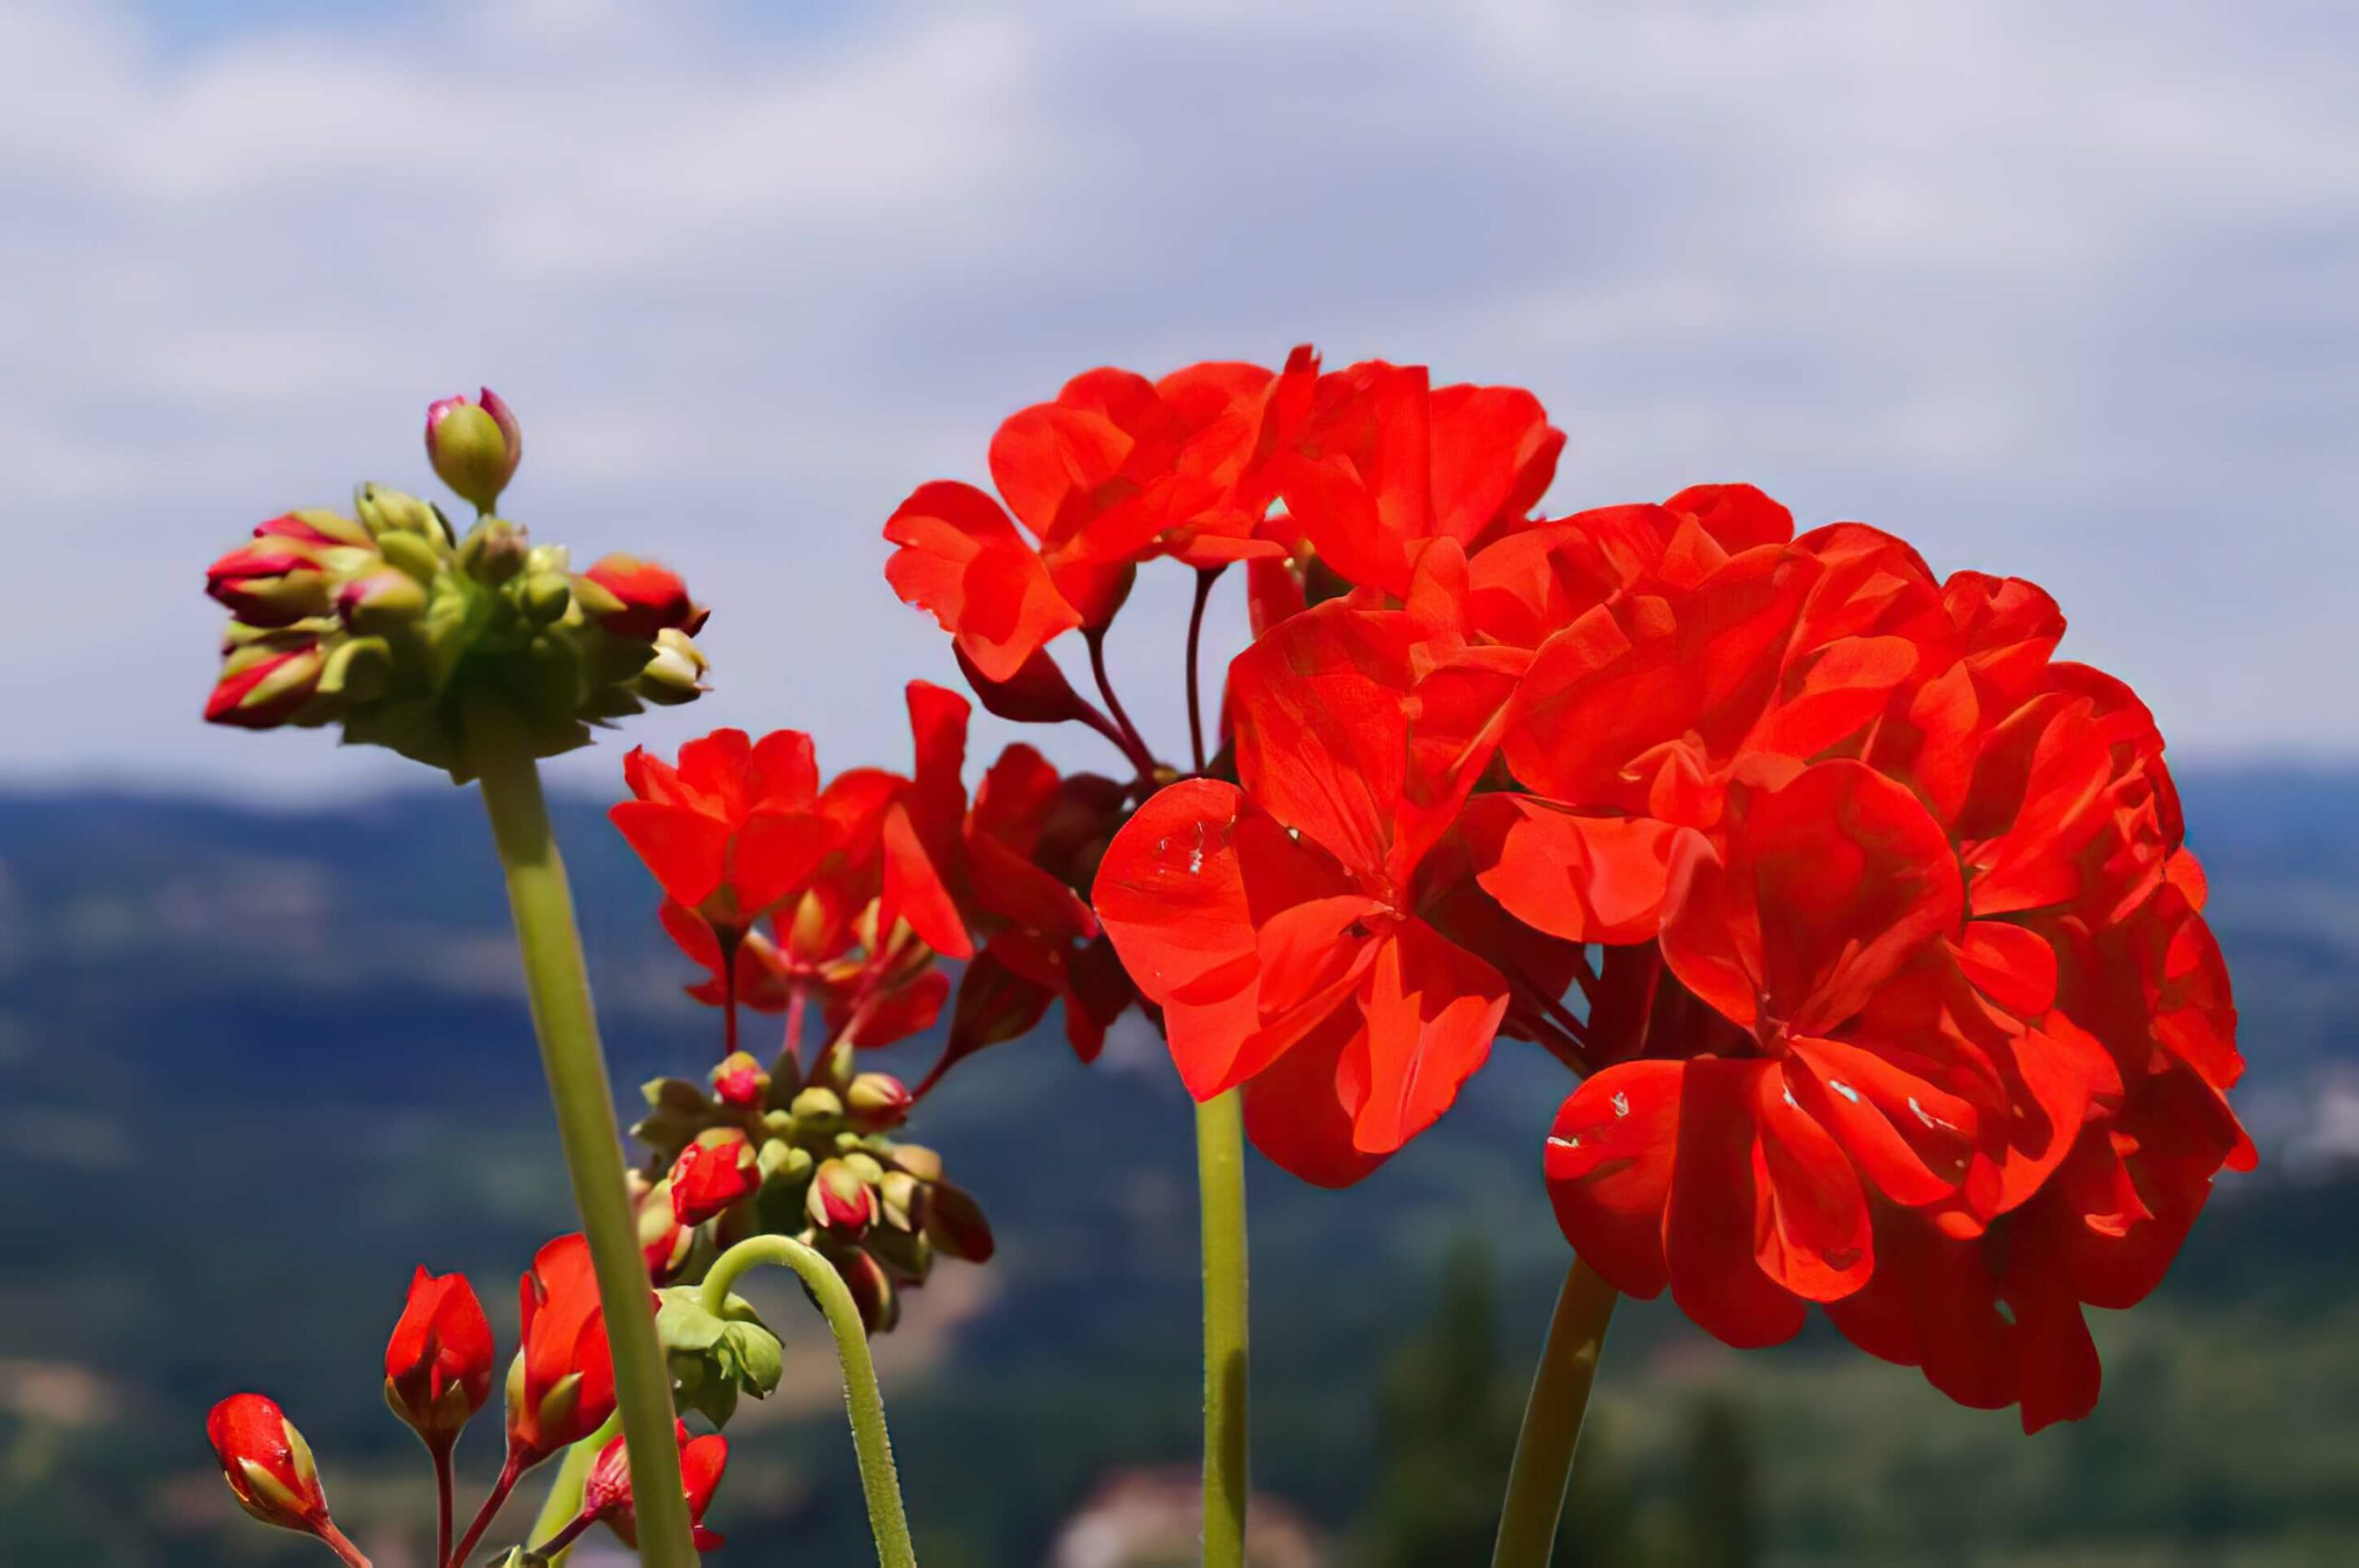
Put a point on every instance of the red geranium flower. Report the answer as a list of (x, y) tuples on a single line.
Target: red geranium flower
[(735, 829), (1277, 922)]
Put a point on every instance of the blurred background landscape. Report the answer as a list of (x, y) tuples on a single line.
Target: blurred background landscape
[(2052, 290), (254, 1065)]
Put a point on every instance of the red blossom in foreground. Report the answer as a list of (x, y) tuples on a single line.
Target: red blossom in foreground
[(561, 1387), (606, 1493), (439, 1361), (268, 1465)]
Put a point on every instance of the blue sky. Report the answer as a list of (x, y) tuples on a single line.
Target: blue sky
[(2058, 290)]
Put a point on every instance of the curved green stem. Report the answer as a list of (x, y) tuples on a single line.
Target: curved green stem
[(563, 1503), (576, 1065), (1551, 1420), (1220, 1181), (879, 1481)]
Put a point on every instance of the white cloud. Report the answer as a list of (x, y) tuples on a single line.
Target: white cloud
[(2051, 292)]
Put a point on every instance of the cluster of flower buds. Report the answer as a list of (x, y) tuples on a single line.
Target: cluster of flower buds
[(389, 622), (777, 1152), (439, 1367)]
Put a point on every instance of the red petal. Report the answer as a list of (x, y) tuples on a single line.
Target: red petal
[(1609, 1166), (1738, 516), (776, 854), (1830, 885), (1299, 1111), (963, 561), (1580, 877), (2013, 966), (688, 851), (913, 891), (1433, 1009), (1713, 1220)]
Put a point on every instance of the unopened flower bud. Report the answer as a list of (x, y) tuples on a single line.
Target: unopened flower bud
[(439, 1362), (315, 525), (640, 599), (674, 673), (474, 446), (268, 1465), (545, 597), (840, 1202), (271, 582), (494, 550), (740, 1081), (901, 1196), (381, 600), (358, 671), (413, 555), (712, 1172), (263, 686), (663, 1242), (919, 1161), (606, 1493), (955, 1224), (388, 512), (871, 1290), (815, 1106), (877, 1102)]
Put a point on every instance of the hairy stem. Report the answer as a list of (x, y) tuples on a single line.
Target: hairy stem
[(576, 1065), (1552, 1420), (1220, 1179), (879, 1482)]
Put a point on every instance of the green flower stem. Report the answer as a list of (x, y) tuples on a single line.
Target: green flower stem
[(879, 1480), (563, 1504), (1220, 1180), (576, 1065), (1551, 1420)]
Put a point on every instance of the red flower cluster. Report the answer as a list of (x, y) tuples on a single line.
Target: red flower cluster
[(1902, 1002), (864, 882)]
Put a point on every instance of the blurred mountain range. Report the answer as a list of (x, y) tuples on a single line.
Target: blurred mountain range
[(256, 1064)]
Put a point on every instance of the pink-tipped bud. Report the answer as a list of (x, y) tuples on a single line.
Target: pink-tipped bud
[(263, 686), (271, 582), (840, 1202), (712, 1172), (381, 600), (439, 1362), (316, 525), (640, 599), (739, 1081), (474, 446), (606, 1493), (268, 1465), (877, 1102), (871, 1290)]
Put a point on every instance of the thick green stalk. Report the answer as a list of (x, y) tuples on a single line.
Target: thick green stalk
[(1552, 1420), (563, 1502), (879, 1482), (576, 1065), (1220, 1181)]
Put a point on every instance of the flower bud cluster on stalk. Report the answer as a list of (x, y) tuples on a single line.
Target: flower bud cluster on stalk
[(387, 622), (776, 1152)]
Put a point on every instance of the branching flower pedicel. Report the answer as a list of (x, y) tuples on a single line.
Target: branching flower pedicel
[(438, 1365)]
